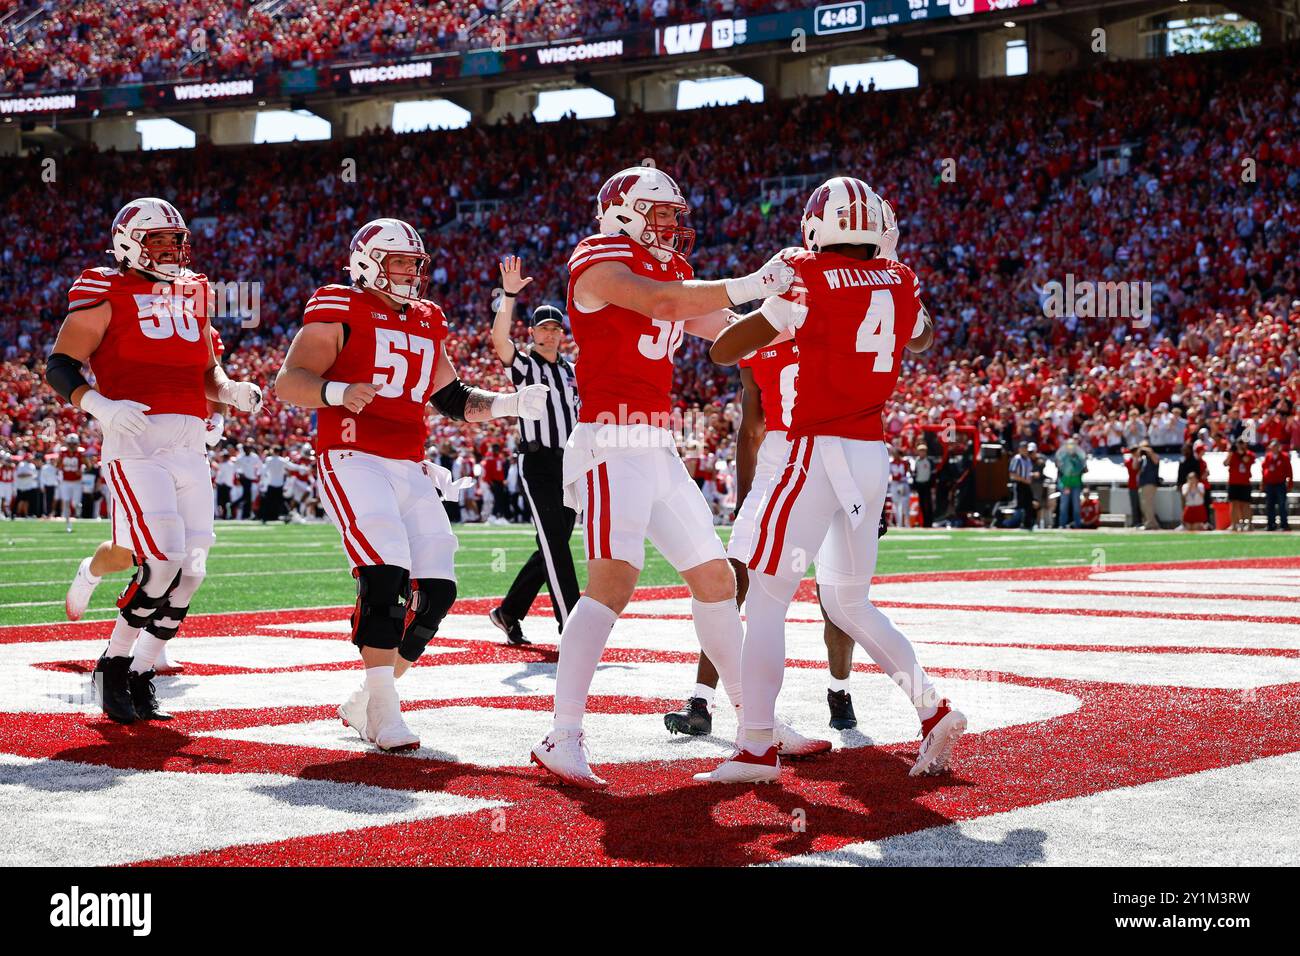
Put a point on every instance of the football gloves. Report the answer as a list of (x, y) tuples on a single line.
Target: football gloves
[(125, 416), (244, 396), (529, 402), (773, 278)]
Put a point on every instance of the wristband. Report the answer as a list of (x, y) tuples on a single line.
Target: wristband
[(332, 392), (509, 295)]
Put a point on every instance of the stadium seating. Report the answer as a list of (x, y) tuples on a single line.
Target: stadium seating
[(1030, 204)]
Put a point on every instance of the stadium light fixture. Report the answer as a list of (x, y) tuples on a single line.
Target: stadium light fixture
[(1009, 24)]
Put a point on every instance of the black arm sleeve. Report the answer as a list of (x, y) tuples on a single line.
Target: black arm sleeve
[(63, 372), (451, 398)]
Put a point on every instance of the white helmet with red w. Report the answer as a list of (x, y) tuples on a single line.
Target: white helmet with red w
[(130, 234), (846, 211), (368, 264), (628, 203)]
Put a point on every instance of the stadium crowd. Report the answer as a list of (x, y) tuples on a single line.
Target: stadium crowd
[(1027, 204), (88, 43)]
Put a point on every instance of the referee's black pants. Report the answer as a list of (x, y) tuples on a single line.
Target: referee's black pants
[(541, 474), (1025, 502)]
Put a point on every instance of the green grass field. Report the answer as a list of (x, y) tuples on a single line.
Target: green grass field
[(285, 566)]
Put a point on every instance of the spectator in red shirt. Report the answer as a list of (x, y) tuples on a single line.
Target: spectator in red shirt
[(1133, 466), (494, 473), (1278, 477), (1239, 461)]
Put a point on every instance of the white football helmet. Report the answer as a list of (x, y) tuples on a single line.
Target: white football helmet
[(131, 228), (627, 202), (371, 247), (845, 211)]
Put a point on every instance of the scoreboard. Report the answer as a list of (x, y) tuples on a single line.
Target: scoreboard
[(832, 18)]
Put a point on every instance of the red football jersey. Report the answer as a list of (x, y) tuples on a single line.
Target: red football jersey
[(70, 463), (397, 352), (775, 369), (625, 360), (154, 350), (6, 474), (852, 319)]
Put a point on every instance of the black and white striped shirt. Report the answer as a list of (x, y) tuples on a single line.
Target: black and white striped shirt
[(1022, 466), (552, 429)]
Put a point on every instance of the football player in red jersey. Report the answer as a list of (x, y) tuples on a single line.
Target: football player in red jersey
[(631, 298), (72, 464), (853, 313), (370, 357), (767, 398), (143, 327), (110, 557)]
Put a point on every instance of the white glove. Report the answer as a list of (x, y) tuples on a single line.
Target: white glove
[(529, 402), (125, 416), (216, 425), (244, 396), (773, 279), (889, 242)]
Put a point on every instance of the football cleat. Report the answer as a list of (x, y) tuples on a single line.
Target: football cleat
[(385, 727), (841, 705), (940, 733), (164, 666), (790, 743), (353, 711), (145, 699), (113, 684), (564, 753), (693, 719), (746, 767), (79, 591), (509, 626)]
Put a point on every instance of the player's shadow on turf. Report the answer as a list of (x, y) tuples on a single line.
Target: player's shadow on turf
[(945, 846), (326, 795), (726, 825), (141, 746), (532, 669)]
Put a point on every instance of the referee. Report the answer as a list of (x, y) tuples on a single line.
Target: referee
[(541, 457)]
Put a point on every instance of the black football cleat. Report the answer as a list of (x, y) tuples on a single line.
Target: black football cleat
[(693, 719), (113, 683), (145, 699), (841, 704), (509, 626)]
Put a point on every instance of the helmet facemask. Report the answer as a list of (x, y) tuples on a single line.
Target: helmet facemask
[(667, 238), (405, 285)]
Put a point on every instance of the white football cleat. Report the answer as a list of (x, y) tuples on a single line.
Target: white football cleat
[(385, 727), (745, 767), (164, 666), (353, 711), (80, 591), (790, 743), (940, 732), (564, 753)]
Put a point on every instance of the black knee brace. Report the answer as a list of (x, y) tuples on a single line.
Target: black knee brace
[(172, 615), (136, 607), (376, 620), (427, 604)]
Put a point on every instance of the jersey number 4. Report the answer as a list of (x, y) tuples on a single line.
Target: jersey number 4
[(394, 352), (876, 333)]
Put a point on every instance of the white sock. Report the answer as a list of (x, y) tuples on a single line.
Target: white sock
[(850, 610), (92, 577), (122, 639), (763, 660), (147, 648), (379, 680), (705, 692), (721, 634), (581, 645), (837, 684)]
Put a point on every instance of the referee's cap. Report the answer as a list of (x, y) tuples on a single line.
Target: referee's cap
[(547, 313)]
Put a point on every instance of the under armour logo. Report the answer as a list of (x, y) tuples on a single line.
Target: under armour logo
[(857, 508)]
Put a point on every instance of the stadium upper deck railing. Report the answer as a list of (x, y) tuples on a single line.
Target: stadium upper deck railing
[(433, 69)]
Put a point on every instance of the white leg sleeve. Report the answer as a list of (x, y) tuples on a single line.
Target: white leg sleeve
[(721, 635), (851, 610), (763, 660), (581, 645)]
